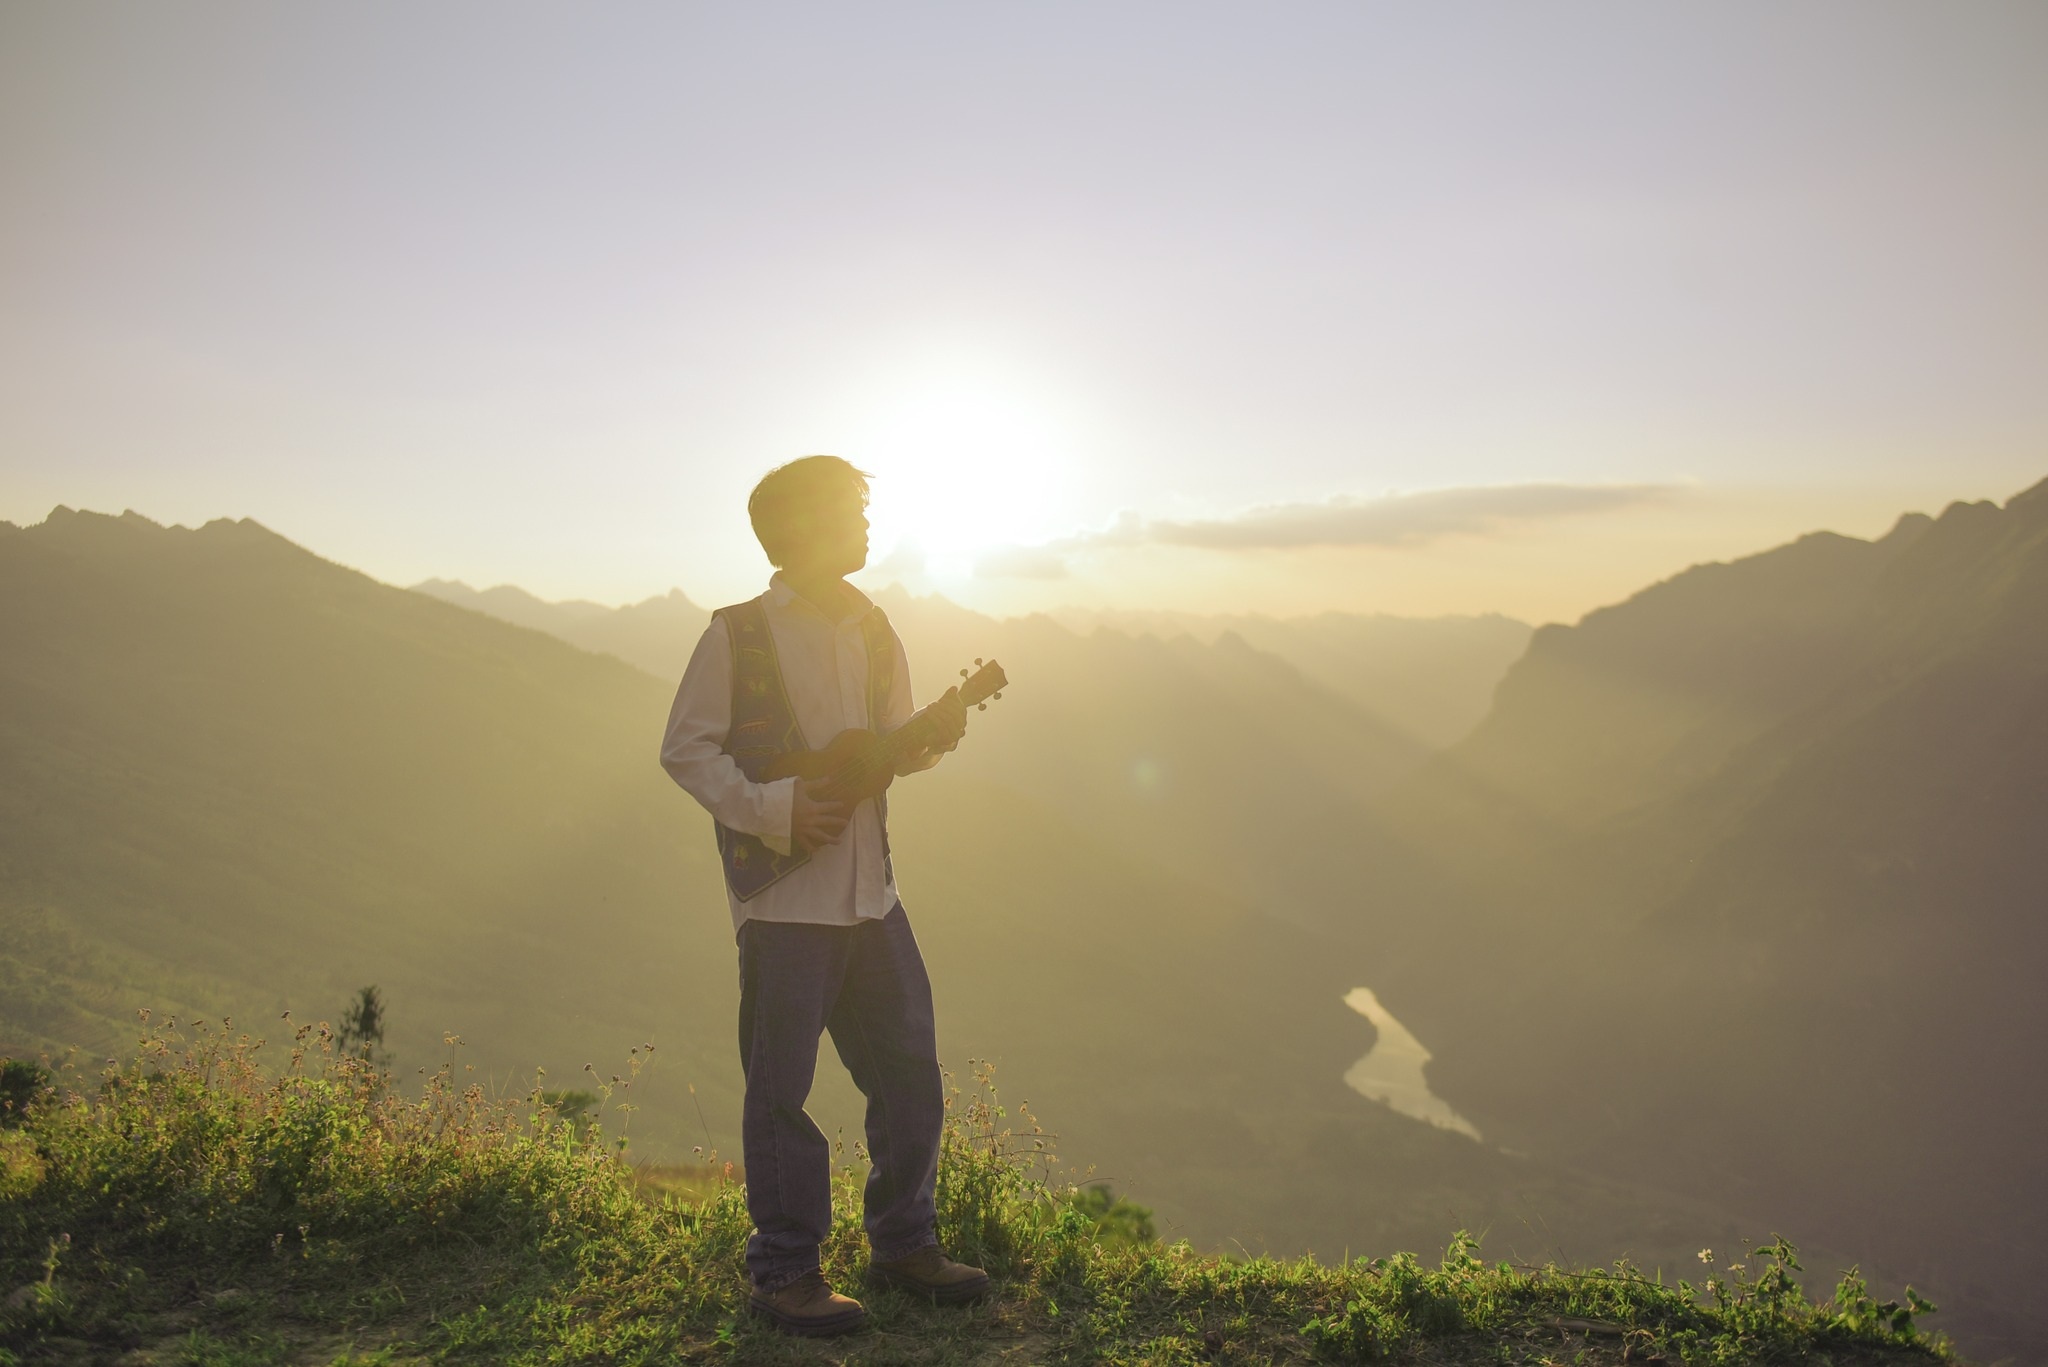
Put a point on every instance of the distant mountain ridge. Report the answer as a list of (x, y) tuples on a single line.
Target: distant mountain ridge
[(655, 634)]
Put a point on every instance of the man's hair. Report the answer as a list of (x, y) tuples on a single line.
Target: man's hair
[(783, 502)]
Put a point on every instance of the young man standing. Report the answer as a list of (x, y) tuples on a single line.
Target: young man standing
[(824, 944)]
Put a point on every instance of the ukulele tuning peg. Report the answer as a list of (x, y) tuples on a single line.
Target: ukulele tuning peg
[(977, 662), (981, 706), (999, 697), (963, 673)]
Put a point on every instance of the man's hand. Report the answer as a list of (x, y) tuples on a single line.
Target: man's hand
[(814, 821), (948, 720)]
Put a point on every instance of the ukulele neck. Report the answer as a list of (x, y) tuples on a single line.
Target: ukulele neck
[(916, 735), (907, 740)]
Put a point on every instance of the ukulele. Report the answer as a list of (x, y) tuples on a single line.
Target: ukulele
[(860, 764)]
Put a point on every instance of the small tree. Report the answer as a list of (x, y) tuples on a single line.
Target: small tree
[(362, 1025)]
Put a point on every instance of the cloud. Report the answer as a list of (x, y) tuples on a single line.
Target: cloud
[(1401, 519), (1395, 520)]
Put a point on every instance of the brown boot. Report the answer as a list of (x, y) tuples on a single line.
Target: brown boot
[(929, 1272), (810, 1308)]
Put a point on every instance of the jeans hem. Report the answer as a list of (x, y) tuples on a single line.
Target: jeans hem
[(775, 1281), (890, 1255)]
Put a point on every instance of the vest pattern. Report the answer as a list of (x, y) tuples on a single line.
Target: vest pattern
[(764, 725)]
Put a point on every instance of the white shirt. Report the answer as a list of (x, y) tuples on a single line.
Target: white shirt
[(825, 672)]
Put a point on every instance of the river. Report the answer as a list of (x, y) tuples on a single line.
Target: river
[(1391, 1071)]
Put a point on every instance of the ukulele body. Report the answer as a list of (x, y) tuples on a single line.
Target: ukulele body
[(858, 764), (842, 760)]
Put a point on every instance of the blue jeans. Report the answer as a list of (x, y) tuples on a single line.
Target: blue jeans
[(865, 983)]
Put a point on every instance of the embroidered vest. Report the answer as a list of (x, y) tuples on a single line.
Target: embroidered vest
[(764, 725)]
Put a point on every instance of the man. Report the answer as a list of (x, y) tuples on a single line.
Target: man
[(824, 943)]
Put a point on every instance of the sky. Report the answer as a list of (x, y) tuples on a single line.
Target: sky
[(1420, 308)]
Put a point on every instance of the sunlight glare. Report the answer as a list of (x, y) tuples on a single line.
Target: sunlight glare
[(963, 465)]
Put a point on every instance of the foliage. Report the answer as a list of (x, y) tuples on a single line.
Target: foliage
[(197, 1203), (573, 1106), (1118, 1219), (22, 1081), (361, 1031)]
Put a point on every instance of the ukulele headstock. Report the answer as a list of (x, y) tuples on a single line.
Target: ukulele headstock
[(985, 683)]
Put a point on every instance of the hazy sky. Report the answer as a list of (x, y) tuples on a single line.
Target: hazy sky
[(1135, 304)]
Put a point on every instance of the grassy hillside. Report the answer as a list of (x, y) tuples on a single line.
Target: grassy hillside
[(193, 1206)]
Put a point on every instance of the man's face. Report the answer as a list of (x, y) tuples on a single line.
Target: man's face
[(836, 541)]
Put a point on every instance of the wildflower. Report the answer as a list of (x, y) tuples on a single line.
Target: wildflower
[(1707, 1256)]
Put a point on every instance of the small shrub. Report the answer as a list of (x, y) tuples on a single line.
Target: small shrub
[(1362, 1330), (22, 1082), (994, 1196)]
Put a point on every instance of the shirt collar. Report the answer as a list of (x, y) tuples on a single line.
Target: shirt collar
[(781, 595)]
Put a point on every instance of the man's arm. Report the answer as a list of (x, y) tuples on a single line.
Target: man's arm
[(693, 753)]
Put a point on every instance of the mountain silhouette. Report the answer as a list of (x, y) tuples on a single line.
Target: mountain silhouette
[(1752, 866)]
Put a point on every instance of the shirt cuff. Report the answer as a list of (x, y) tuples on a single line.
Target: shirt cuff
[(777, 812)]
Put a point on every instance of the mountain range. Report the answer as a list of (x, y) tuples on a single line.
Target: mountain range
[(1725, 918)]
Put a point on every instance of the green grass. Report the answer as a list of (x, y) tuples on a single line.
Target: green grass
[(204, 1203)]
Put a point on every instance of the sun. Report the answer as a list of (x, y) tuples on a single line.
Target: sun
[(963, 465)]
